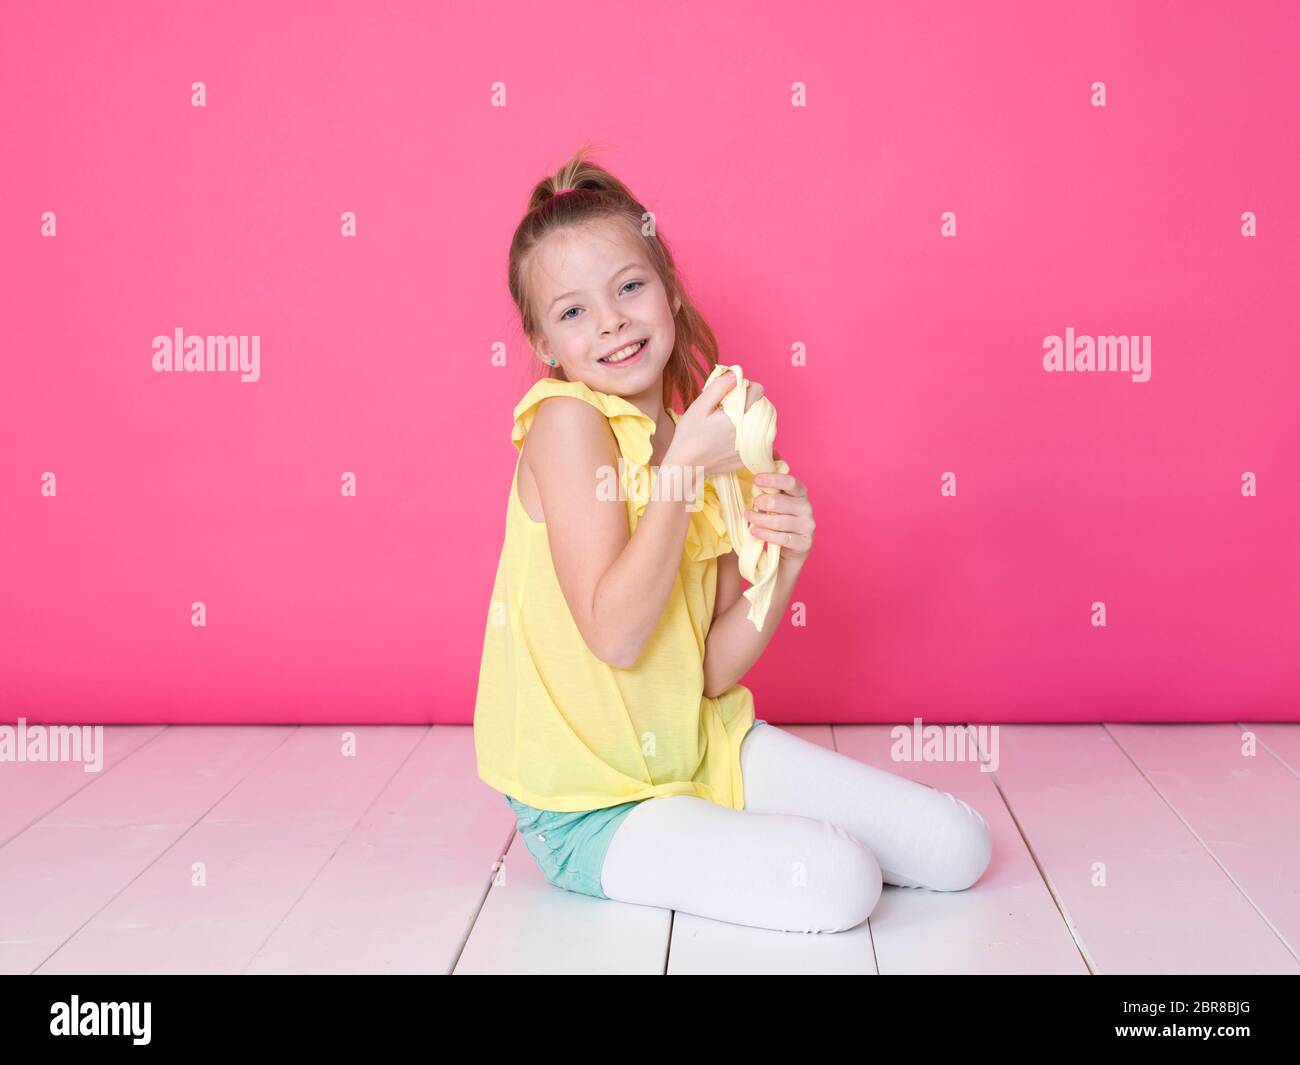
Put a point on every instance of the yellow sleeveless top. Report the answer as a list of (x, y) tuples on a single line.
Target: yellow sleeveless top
[(558, 728)]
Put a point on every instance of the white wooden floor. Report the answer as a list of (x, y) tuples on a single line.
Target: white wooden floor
[(234, 849)]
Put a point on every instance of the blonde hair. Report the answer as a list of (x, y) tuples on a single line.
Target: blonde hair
[(592, 194)]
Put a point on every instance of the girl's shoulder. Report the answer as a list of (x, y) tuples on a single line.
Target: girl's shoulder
[(632, 427)]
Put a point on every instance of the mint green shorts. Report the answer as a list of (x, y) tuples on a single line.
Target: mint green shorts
[(569, 848)]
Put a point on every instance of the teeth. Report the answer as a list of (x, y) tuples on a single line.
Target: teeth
[(625, 353)]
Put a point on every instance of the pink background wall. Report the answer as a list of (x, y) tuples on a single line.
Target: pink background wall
[(817, 226)]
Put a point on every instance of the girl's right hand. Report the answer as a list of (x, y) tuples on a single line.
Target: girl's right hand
[(705, 435)]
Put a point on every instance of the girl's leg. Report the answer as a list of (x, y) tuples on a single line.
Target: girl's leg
[(778, 871), (920, 836)]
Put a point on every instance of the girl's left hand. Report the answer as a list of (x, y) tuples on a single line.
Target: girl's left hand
[(784, 516)]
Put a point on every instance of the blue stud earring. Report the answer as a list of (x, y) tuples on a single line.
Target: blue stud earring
[(551, 361)]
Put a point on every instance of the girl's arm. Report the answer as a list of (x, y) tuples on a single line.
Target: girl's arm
[(616, 586), (733, 644)]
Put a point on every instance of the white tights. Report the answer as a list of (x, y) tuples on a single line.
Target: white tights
[(819, 833)]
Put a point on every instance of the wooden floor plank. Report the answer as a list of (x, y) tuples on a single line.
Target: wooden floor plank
[(1165, 906), (30, 790), (528, 925), (1282, 739), (701, 946), (1244, 809), (402, 892), (262, 844), (317, 862), (62, 870)]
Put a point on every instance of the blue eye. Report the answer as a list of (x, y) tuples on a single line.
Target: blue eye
[(565, 316)]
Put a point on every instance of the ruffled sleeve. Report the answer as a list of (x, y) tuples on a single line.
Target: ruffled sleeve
[(632, 426), (706, 535)]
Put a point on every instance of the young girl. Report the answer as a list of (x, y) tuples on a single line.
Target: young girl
[(608, 711)]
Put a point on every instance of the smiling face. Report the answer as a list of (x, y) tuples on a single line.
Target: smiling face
[(596, 294)]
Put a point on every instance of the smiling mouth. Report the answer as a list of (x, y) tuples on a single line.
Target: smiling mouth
[(632, 354)]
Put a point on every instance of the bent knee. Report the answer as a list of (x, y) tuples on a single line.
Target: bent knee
[(967, 850), (854, 883)]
